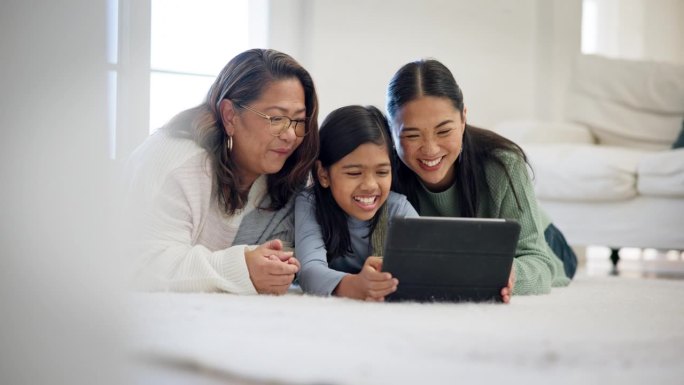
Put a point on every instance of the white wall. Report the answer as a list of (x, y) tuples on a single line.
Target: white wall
[(57, 318), (511, 58)]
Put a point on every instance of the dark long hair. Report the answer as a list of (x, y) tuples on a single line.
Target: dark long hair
[(342, 131), (479, 146), (243, 80)]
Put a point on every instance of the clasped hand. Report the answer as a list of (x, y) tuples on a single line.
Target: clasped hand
[(370, 284), (271, 269)]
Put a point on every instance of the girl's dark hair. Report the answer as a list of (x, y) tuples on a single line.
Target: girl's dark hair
[(243, 80), (342, 131), (479, 146)]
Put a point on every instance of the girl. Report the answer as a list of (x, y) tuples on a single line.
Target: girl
[(341, 220), (449, 168)]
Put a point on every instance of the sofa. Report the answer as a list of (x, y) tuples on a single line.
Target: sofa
[(607, 173)]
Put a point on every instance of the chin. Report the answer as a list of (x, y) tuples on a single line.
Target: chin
[(272, 169)]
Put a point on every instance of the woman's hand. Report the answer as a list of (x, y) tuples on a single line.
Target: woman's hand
[(507, 291), (270, 268), (370, 284)]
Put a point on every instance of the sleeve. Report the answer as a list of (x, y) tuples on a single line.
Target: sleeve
[(400, 206), (536, 268), (315, 277), (169, 259)]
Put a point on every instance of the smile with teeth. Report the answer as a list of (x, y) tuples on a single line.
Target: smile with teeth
[(431, 163), (366, 200)]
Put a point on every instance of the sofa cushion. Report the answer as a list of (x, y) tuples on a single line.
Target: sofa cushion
[(589, 173), (616, 124), (637, 104), (541, 131), (662, 174)]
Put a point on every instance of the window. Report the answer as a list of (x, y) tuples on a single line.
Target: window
[(634, 29), (164, 55), (191, 41)]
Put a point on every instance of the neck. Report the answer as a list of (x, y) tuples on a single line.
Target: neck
[(247, 180), (443, 184)]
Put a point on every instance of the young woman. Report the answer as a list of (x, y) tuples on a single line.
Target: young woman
[(341, 221), (450, 168), (220, 178)]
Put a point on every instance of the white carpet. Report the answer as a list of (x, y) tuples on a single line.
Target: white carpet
[(598, 330)]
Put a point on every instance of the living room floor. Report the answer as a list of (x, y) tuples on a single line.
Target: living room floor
[(634, 263)]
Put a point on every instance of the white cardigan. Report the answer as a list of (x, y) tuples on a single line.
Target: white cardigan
[(184, 240)]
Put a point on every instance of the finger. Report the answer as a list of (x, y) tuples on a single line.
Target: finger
[(373, 275), (282, 255), (274, 244), (382, 285), (377, 293), (294, 261), (374, 262), (281, 280), (277, 267)]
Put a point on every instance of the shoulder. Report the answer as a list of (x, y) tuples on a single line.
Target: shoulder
[(511, 160), (305, 204), (398, 205), (163, 157), (305, 197)]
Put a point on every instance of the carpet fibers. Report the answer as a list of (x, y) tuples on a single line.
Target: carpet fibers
[(597, 330)]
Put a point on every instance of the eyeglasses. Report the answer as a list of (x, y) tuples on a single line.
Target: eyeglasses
[(280, 124)]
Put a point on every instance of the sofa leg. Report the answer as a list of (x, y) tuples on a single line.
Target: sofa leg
[(615, 258)]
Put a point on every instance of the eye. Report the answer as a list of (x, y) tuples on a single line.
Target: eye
[(445, 132), (383, 172), (410, 136), (353, 173), (277, 119)]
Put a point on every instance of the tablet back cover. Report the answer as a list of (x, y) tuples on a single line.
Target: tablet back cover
[(450, 259)]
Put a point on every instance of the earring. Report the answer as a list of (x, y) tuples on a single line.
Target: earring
[(229, 144)]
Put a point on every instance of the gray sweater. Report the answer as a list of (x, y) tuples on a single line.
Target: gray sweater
[(316, 277)]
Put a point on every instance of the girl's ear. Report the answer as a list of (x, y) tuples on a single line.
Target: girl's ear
[(227, 113), (323, 176)]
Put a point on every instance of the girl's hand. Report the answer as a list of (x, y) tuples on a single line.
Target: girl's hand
[(507, 291), (270, 268), (370, 284)]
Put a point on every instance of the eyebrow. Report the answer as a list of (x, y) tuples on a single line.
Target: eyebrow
[(284, 111), (437, 126), (387, 164)]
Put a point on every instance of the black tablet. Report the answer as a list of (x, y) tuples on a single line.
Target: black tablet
[(450, 259)]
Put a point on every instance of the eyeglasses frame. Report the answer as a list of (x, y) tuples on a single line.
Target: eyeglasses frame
[(286, 127)]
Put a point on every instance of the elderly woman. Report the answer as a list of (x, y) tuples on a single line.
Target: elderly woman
[(212, 190)]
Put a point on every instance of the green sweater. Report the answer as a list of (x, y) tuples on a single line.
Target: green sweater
[(537, 268)]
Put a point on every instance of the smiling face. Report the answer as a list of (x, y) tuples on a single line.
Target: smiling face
[(255, 151), (429, 133), (360, 182)]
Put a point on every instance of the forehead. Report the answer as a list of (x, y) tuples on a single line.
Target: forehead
[(286, 95), (426, 112), (367, 154)]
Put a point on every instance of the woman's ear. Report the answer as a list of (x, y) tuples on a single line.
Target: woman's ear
[(323, 176), (464, 114), (228, 115)]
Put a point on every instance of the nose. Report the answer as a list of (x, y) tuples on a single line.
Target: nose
[(429, 146), (288, 133), (368, 183)]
